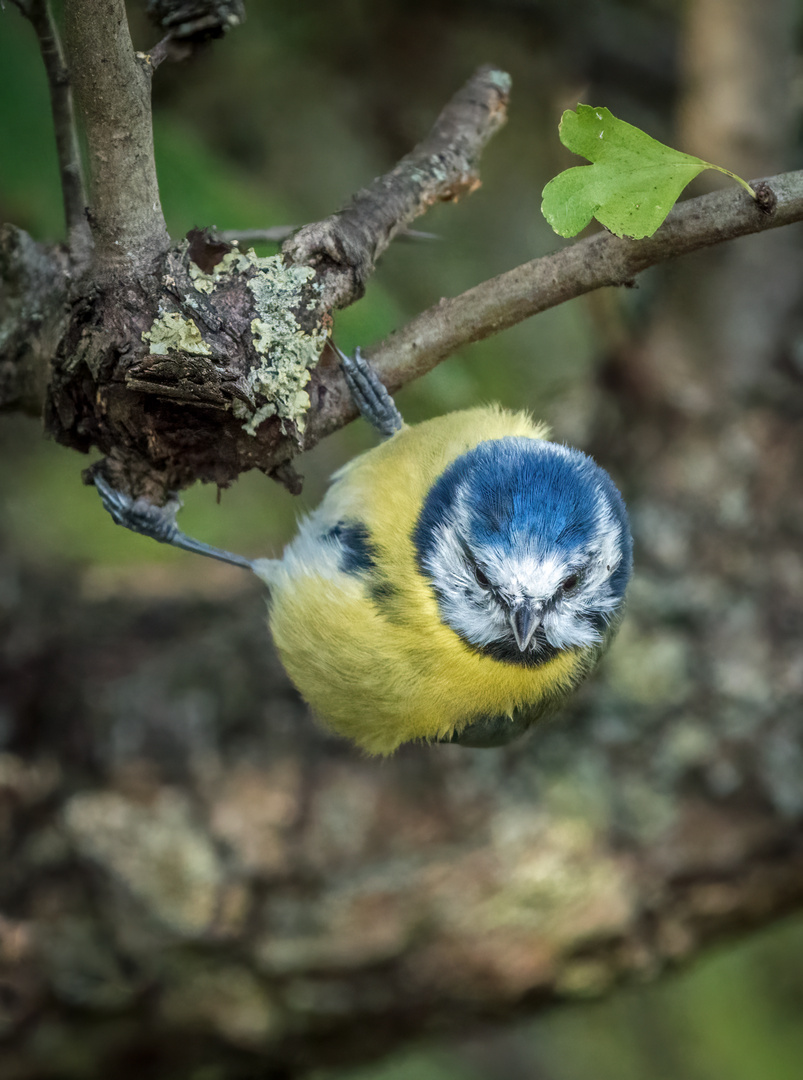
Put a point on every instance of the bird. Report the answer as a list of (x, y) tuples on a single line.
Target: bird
[(456, 584)]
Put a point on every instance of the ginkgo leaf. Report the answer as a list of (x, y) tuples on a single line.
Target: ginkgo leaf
[(631, 186)]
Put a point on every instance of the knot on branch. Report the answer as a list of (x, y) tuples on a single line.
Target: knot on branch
[(193, 373)]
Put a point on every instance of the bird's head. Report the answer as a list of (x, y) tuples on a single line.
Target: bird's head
[(527, 547)]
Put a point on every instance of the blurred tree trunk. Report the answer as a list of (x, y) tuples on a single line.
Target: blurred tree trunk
[(738, 312)]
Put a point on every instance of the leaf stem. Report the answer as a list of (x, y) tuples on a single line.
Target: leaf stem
[(733, 176)]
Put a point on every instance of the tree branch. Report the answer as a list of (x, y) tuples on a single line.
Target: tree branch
[(113, 94), (592, 263), (67, 148), (344, 247), (214, 419), (596, 262), (215, 351)]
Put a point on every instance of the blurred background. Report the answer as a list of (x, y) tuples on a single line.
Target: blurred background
[(278, 124)]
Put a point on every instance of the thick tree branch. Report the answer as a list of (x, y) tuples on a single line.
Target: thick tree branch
[(212, 379), (600, 260), (344, 247), (113, 94), (214, 348), (206, 339)]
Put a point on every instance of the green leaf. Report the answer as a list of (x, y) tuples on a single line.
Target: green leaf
[(631, 186)]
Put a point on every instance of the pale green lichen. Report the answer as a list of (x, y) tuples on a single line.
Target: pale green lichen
[(650, 669), (584, 978), (234, 262), (287, 352), (436, 169), (173, 331), (557, 881), (82, 966), (281, 377), (501, 80)]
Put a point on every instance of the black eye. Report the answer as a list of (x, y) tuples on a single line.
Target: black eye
[(481, 578), (570, 583)]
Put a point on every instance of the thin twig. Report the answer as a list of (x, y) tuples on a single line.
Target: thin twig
[(279, 233), (275, 235), (69, 153), (344, 247), (592, 263), (167, 49)]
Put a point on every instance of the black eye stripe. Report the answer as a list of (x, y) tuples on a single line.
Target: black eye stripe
[(471, 562), (481, 578)]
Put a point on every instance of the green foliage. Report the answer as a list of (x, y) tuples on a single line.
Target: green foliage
[(30, 193), (631, 186)]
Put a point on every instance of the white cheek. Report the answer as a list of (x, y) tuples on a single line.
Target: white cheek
[(464, 604), (568, 624), (568, 629), (444, 562), (481, 625)]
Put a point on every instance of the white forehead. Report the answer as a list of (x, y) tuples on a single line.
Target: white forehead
[(527, 574)]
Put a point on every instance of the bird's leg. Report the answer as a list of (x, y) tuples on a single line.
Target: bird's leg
[(158, 522), (370, 395)]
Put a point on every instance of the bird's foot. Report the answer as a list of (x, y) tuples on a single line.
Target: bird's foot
[(158, 522), (370, 395)]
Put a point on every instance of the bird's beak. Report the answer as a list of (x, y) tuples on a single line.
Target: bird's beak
[(525, 618)]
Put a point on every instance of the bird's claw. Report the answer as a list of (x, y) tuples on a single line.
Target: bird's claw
[(158, 523), (139, 515), (370, 394)]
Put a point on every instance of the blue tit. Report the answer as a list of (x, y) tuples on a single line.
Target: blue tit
[(457, 582)]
